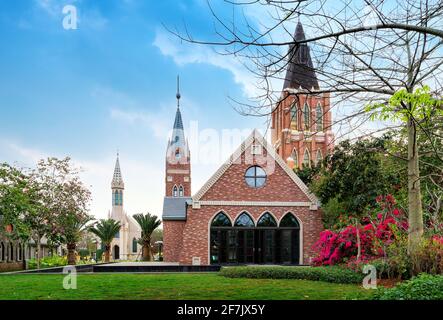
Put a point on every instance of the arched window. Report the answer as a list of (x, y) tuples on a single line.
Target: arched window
[(319, 116), (294, 157), (11, 252), (134, 245), (175, 191), (289, 221), (267, 220), (294, 117), (221, 220), (120, 198), (255, 177), (244, 220), (319, 156), (180, 191), (307, 158), (2, 251), (19, 252), (307, 117)]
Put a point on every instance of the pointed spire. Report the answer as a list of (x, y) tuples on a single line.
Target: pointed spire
[(178, 92), (178, 123), (177, 140), (117, 180), (300, 72)]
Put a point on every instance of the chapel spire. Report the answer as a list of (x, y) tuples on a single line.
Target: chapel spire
[(117, 179)]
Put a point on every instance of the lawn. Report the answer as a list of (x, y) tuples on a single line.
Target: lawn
[(171, 287)]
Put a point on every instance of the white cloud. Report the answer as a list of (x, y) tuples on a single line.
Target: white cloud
[(185, 53), (153, 121)]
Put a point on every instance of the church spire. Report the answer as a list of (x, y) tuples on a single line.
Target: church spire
[(178, 147), (300, 72), (117, 180)]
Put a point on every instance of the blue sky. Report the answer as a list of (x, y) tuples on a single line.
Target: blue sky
[(111, 85)]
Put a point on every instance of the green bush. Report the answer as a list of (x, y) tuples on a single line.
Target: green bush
[(84, 253), (327, 274), (99, 254), (422, 287), (48, 262)]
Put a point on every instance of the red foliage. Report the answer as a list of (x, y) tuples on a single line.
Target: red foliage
[(374, 234)]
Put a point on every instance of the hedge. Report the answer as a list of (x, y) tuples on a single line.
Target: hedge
[(422, 287), (327, 274)]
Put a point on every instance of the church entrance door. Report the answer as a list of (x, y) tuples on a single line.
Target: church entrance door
[(116, 252)]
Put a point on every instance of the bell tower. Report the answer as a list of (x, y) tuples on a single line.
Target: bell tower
[(178, 158), (301, 120)]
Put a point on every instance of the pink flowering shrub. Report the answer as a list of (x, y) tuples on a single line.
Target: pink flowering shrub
[(362, 240)]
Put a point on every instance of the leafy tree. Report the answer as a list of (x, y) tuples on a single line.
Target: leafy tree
[(148, 223), (21, 206), (415, 109), (106, 231), (353, 176), (65, 201)]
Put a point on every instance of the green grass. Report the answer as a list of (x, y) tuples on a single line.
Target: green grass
[(171, 287)]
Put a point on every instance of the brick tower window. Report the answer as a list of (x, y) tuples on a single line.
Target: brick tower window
[(319, 116), (307, 159), (294, 116), (307, 117)]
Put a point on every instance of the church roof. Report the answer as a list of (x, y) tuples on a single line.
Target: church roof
[(255, 137), (174, 208), (117, 179), (300, 71)]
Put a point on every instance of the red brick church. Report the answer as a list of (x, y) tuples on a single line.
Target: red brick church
[(254, 209)]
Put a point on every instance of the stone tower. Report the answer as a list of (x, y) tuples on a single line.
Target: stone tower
[(178, 158), (301, 121)]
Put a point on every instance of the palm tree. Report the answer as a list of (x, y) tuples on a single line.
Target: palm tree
[(148, 223), (75, 226), (106, 231)]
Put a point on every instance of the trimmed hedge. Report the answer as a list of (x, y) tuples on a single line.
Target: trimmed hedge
[(327, 274), (422, 287)]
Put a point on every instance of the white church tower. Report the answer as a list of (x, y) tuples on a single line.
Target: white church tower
[(124, 246)]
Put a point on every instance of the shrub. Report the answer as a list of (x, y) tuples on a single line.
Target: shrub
[(365, 240), (422, 287), (327, 274), (429, 257), (48, 262)]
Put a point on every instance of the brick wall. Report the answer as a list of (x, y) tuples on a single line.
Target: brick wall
[(196, 231), (232, 186), (11, 266), (172, 240)]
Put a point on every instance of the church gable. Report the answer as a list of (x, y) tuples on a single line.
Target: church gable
[(255, 173)]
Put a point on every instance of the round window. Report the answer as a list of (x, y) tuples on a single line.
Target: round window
[(255, 177)]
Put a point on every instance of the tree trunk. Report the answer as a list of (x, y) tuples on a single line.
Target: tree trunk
[(71, 254), (147, 254), (107, 254), (37, 251), (358, 243), (414, 192)]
